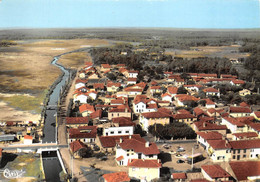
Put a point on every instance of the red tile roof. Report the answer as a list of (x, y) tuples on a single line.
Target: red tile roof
[(140, 98), (207, 75), (110, 141), (76, 145), (172, 90), (96, 115), (111, 84), (77, 120), (183, 116), (123, 121), (209, 102), (184, 97), (244, 104), (203, 125), (116, 177), (243, 170), (215, 171), (212, 90), (105, 65), (139, 146), (211, 135), (179, 176), (28, 137), (121, 108), (246, 135), (238, 81), (86, 107), (199, 180), (117, 101), (234, 121), (141, 163), (257, 113), (83, 132), (98, 85), (131, 80), (198, 111), (81, 81), (157, 114), (255, 126), (245, 144), (183, 111), (1, 152), (155, 87), (166, 94), (240, 110), (219, 144)]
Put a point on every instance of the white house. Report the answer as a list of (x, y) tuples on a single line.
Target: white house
[(120, 130), (135, 149), (82, 98), (233, 125), (203, 137), (166, 97), (133, 74), (28, 140), (80, 84), (143, 104)]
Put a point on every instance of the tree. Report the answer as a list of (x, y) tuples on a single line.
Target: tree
[(181, 90), (85, 152), (139, 130)]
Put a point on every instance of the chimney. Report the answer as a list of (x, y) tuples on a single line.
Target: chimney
[(120, 140), (204, 124), (130, 136), (147, 144)]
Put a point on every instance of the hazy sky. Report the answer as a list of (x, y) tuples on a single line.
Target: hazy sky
[(130, 13)]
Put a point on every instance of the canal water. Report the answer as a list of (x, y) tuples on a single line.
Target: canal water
[(51, 163)]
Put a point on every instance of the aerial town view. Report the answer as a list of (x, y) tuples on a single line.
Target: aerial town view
[(129, 90)]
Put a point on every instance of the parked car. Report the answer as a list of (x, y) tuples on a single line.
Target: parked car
[(180, 149), (180, 161), (166, 146)]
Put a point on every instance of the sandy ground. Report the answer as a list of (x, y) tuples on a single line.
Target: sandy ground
[(10, 114)]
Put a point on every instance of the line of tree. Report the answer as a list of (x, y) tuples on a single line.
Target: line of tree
[(175, 130)]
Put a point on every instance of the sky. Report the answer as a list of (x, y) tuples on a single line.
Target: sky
[(216, 14)]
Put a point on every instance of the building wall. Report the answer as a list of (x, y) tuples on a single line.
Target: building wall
[(236, 115), (139, 107), (113, 131), (83, 140), (221, 155), (112, 89), (78, 85), (81, 98), (145, 122), (119, 114), (144, 173)]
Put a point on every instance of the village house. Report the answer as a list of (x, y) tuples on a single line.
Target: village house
[(204, 126), (99, 86), (245, 149), (162, 116), (85, 134), (255, 127), (215, 173), (234, 125), (166, 97), (209, 103), (219, 150), (86, 109), (109, 98), (122, 94), (80, 83), (182, 99), (75, 122), (93, 76), (198, 112), (155, 90), (244, 92), (136, 89), (131, 81), (167, 73), (185, 117), (120, 111), (108, 143), (172, 91), (132, 148), (245, 136), (246, 170), (145, 170), (211, 92), (75, 148), (237, 82), (239, 111), (133, 74), (113, 87), (119, 126), (256, 114), (203, 137), (88, 65), (28, 140), (143, 104), (192, 88), (105, 67)]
